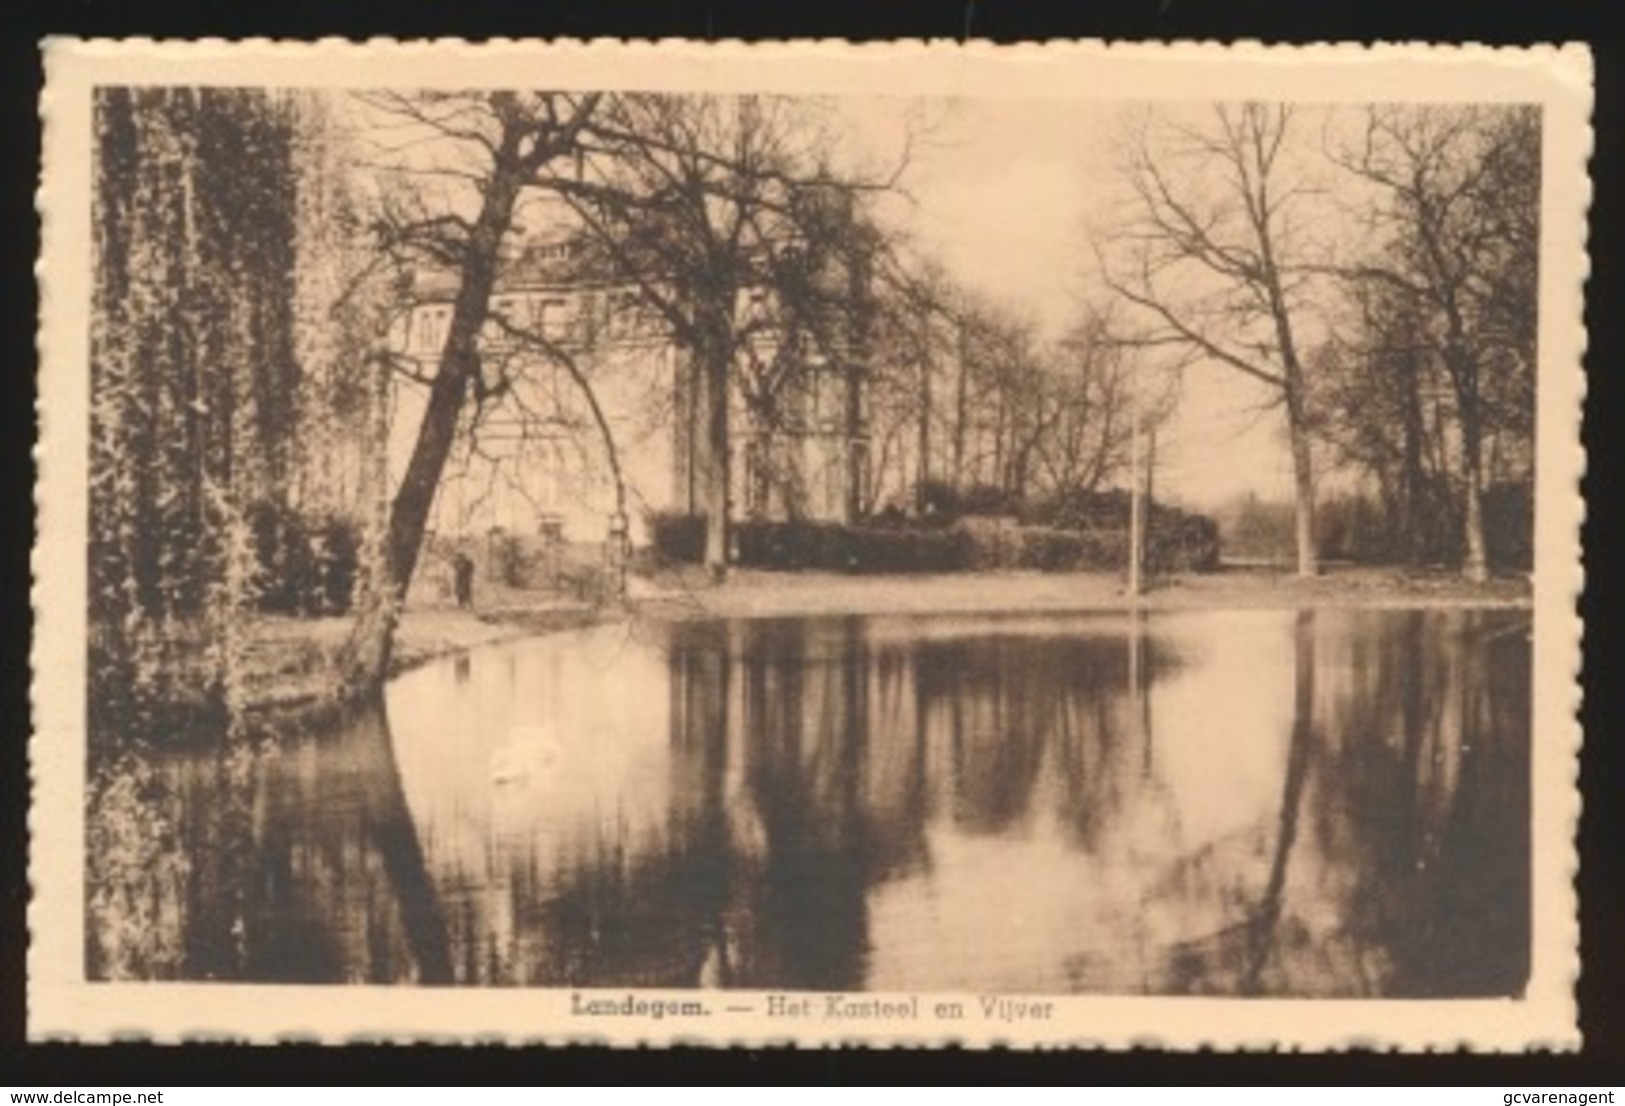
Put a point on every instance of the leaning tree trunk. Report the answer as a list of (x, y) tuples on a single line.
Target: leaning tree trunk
[(367, 654)]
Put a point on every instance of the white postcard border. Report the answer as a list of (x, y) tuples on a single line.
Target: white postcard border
[(62, 1005)]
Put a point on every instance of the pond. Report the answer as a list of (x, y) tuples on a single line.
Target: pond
[(1293, 803)]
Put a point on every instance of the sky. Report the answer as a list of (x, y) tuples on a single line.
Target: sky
[(1003, 192)]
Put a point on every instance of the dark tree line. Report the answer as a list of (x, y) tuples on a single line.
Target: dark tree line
[(1430, 388), (194, 384)]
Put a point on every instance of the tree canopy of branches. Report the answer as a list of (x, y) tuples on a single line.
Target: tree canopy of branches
[(718, 214), (1212, 257), (507, 140), (967, 393), (1447, 292), (722, 214)]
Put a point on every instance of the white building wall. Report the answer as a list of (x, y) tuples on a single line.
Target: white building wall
[(541, 459)]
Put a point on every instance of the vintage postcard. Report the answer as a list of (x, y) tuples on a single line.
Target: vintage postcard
[(1065, 546)]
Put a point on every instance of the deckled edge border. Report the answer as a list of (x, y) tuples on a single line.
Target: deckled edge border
[(1574, 227)]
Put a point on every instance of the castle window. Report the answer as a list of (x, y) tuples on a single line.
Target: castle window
[(430, 328), (551, 321)]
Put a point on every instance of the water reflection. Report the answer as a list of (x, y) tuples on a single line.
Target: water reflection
[(1247, 803)]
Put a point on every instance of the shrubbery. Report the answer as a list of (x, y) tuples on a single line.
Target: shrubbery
[(946, 503), (836, 548), (1356, 527), (1178, 542), (1509, 525), (677, 538), (307, 565), (1052, 550), (824, 546)]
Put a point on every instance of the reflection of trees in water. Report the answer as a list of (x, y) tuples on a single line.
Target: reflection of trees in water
[(1399, 864), (812, 762), (633, 911), (1221, 908), (135, 872), (807, 763), (302, 864), (806, 759), (759, 885), (1095, 695), (1261, 932), (1430, 808), (847, 748)]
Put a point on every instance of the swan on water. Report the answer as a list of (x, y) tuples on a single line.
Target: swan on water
[(527, 750)]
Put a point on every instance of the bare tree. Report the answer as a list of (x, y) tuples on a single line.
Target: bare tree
[(1378, 396), (1211, 255), (1096, 387), (505, 141), (576, 356), (718, 210), (915, 303), (1454, 230)]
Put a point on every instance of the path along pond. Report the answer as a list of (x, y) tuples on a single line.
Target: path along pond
[(1327, 803)]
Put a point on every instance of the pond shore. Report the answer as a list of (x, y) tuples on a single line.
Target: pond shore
[(752, 593), (291, 661)]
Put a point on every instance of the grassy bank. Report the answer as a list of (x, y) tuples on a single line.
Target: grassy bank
[(291, 661), (752, 593)]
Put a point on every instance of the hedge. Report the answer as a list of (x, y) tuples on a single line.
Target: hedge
[(677, 538), (864, 549), (1178, 542), (824, 546), (307, 565)]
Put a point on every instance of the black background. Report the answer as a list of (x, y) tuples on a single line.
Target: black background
[(1602, 875)]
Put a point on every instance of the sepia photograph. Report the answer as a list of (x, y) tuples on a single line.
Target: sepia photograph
[(889, 560)]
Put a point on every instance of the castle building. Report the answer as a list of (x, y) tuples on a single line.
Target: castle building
[(531, 454)]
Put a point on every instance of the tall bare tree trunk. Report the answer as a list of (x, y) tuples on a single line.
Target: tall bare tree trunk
[(367, 654), (715, 363), (1303, 485), (961, 411), (1476, 566), (855, 505), (1303, 488), (1245, 241), (921, 488), (1413, 480), (1463, 368)]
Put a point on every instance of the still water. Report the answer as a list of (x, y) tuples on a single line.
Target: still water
[(1327, 803)]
